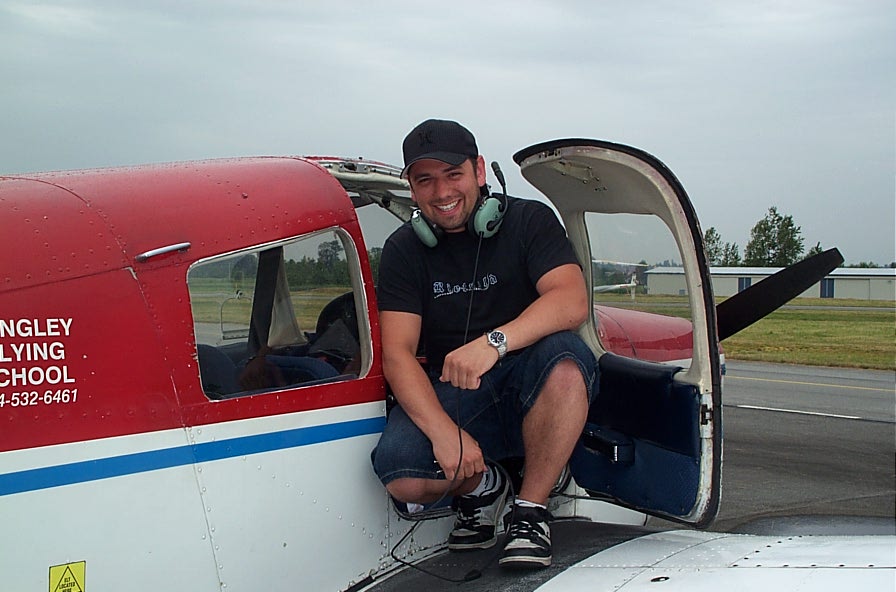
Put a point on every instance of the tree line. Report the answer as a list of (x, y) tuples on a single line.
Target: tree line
[(775, 241)]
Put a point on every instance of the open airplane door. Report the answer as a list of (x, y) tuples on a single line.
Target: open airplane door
[(653, 438)]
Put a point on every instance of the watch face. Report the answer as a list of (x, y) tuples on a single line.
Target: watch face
[(496, 337)]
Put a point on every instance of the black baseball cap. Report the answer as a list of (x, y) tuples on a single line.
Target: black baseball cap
[(439, 139)]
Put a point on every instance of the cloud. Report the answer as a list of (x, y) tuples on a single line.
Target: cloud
[(787, 104), (56, 20)]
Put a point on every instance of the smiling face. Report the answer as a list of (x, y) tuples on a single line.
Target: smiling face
[(447, 194)]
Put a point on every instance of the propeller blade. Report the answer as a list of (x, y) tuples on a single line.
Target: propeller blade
[(745, 308)]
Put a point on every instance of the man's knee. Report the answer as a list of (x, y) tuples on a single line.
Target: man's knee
[(565, 377)]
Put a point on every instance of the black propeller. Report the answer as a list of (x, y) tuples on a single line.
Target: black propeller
[(745, 308)]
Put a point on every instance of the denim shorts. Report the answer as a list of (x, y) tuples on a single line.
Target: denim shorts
[(492, 414)]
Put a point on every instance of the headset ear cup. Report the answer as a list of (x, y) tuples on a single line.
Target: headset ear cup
[(424, 230), (488, 217)]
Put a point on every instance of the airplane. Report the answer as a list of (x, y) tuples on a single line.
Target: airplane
[(631, 285), (191, 384)]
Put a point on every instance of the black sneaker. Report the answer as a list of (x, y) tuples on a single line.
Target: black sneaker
[(476, 525), (528, 539)]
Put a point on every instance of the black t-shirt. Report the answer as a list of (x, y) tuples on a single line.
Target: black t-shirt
[(437, 283)]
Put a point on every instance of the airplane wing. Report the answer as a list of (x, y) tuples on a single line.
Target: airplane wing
[(611, 287), (697, 561), (608, 558)]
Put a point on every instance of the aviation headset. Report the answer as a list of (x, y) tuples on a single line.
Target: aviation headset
[(484, 222)]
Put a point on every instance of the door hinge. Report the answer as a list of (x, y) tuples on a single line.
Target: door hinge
[(705, 415)]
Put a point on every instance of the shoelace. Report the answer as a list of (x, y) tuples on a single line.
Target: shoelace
[(468, 518), (525, 529)]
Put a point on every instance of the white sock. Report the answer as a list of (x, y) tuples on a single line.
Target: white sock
[(527, 504), (490, 482)]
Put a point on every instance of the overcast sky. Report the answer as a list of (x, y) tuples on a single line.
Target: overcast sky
[(752, 104)]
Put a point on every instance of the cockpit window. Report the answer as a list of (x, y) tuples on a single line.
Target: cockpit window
[(637, 266), (277, 317)]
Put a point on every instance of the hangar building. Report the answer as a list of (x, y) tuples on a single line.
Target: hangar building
[(843, 282)]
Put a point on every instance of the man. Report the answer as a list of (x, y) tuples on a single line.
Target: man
[(493, 303)]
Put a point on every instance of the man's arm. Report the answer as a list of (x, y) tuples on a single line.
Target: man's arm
[(410, 384), (562, 305)]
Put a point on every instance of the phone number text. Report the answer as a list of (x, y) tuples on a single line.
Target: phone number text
[(35, 398)]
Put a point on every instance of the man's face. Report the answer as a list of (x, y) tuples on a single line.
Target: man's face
[(447, 194)]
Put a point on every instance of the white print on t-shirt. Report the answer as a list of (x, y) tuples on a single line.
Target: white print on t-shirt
[(440, 289)]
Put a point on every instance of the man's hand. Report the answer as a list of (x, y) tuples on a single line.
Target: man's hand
[(450, 448), (464, 366)]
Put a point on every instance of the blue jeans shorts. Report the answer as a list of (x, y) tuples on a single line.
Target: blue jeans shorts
[(492, 414)]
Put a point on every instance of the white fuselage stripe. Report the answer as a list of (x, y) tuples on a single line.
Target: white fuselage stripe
[(153, 460)]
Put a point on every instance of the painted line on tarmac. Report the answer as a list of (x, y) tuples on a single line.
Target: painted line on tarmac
[(798, 412), (843, 386)]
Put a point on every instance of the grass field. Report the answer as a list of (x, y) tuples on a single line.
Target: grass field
[(212, 303), (824, 335), (853, 338)]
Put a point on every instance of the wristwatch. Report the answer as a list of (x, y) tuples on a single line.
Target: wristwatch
[(497, 340)]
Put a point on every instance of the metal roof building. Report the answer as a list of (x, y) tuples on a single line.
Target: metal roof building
[(843, 282)]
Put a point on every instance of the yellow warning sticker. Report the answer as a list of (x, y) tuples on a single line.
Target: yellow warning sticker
[(68, 577)]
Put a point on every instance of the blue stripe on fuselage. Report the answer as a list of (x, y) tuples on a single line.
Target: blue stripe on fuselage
[(153, 460)]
